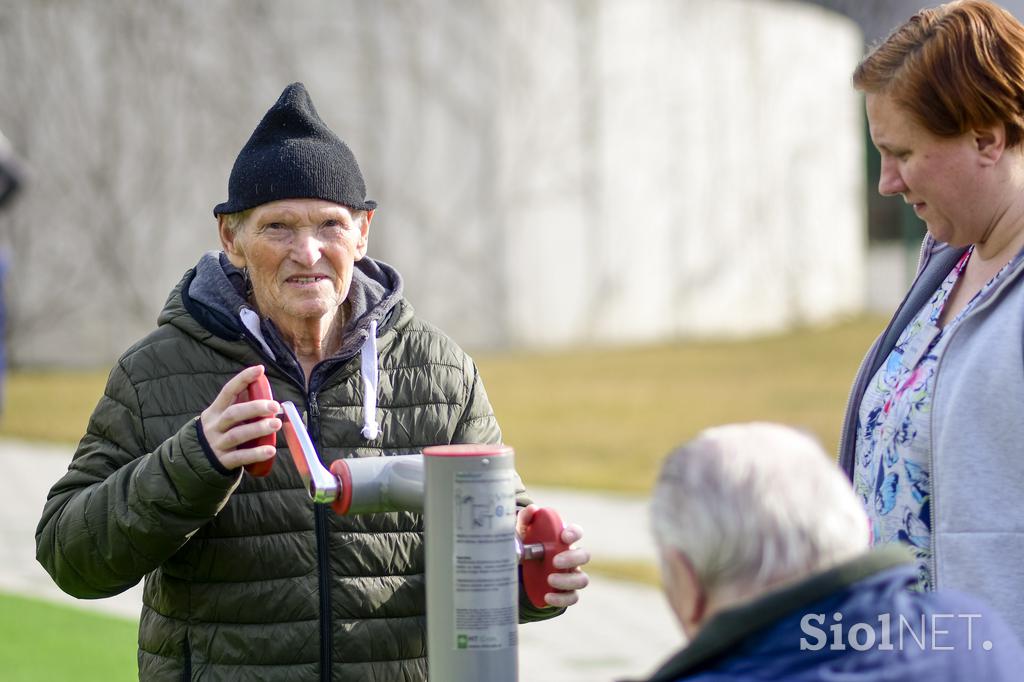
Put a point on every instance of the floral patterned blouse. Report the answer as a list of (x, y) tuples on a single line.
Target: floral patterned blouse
[(893, 461)]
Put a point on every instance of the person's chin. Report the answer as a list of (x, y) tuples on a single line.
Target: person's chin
[(306, 309), (940, 233)]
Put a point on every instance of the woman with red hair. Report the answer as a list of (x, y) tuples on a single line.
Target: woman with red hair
[(934, 437)]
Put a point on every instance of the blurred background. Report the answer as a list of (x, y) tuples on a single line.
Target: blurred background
[(549, 172), (642, 217)]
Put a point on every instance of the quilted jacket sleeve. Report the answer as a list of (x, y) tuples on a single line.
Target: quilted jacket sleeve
[(478, 424), (120, 511)]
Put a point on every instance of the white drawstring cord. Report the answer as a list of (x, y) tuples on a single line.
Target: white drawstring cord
[(251, 319), (368, 358)]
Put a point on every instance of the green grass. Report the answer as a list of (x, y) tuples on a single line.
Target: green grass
[(635, 571), (42, 641), (591, 418), (50, 406), (605, 418)]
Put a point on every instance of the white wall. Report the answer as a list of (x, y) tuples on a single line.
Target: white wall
[(549, 172), (727, 180)]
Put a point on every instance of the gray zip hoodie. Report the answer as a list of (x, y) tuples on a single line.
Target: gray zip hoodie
[(977, 435)]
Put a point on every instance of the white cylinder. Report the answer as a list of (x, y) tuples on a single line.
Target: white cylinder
[(472, 569), (384, 484)]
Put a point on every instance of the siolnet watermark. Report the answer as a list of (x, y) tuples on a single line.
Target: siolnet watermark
[(889, 632)]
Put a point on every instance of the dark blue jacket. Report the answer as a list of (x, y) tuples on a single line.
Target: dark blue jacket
[(883, 631)]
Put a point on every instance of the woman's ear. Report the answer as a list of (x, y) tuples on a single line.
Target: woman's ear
[(230, 242), (990, 143)]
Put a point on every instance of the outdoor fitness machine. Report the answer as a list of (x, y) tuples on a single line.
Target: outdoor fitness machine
[(467, 494)]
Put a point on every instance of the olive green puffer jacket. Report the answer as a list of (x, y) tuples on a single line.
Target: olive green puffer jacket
[(244, 577)]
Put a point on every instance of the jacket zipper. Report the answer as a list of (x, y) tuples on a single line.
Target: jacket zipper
[(186, 671), (320, 518), (981, 305), (322, 554)]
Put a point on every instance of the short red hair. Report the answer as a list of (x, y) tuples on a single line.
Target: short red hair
[(955, 67)]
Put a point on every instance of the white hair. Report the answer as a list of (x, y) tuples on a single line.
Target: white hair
[(234, 221), (754, 505)]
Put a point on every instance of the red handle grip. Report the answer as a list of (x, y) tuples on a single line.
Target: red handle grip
[(341, 504), (258, 390), (545, 529)]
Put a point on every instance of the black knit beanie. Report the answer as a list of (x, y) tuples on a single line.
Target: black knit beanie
[(292, 154)]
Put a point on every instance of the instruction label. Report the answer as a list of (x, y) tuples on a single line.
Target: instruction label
[(486, 578)]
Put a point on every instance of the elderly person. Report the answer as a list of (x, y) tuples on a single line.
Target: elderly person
[(244, 577), (765, 562), (933, 430)]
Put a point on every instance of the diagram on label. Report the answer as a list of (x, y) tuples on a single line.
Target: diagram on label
[(485, 589), (473, 513)]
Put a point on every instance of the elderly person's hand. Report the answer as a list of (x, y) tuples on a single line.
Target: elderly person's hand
[(571, 559), (227, 425)]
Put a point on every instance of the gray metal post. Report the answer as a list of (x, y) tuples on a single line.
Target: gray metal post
[(472, 576)]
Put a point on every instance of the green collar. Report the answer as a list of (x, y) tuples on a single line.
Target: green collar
[(725, 629)]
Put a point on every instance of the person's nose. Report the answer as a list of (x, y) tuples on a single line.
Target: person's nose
[(307, 247), (890, 180)]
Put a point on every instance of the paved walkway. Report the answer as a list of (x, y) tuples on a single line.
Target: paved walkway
[(618, 629)]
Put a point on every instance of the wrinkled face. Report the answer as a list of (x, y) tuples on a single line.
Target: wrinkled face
[(300, 254), (938, 176)]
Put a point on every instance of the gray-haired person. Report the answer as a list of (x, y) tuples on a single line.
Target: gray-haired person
[(765, 561)]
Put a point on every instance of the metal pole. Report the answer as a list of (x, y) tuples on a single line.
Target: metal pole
[(472, 576)]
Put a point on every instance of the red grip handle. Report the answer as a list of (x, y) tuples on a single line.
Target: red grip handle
[(545, 529), (258, 390), (339, 468)]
